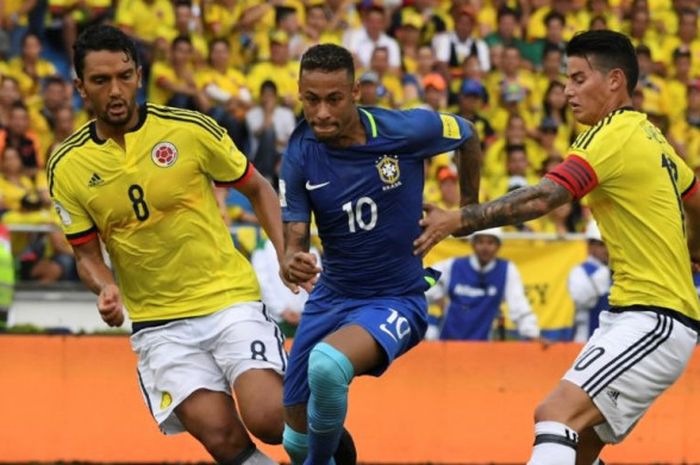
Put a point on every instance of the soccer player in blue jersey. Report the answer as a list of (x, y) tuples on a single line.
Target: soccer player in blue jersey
[(360, 172)]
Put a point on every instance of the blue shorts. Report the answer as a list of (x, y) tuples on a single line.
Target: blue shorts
[(396, 323)]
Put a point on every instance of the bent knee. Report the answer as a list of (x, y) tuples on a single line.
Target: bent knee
[(224, 440), (266, 424), (328, 368)]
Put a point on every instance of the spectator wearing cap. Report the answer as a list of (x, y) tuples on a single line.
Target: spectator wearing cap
[(513, 84), (589, 285), (474, 287), (448, 183), (513, 101), (453, 47), (363, 40), (280, 69), (369, 89), (434, 21), (407, 34), (435, 91), (390, 90), (472, 96)]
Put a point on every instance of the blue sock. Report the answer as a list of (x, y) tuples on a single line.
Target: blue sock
[(330, 373), (296, 445)]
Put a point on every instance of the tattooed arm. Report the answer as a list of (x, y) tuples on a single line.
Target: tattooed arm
[(300, 267), (521, 205), (469, 167)]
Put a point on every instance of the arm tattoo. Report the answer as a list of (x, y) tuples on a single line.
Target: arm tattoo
[(297, 237), (469, 167), (521, 205)]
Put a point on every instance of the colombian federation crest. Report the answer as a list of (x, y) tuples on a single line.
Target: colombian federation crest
[(164, 154), (389, 173)]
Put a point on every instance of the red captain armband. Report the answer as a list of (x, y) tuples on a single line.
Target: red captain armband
[(575, 175), (247, 174), (691, 189), (82, 237)]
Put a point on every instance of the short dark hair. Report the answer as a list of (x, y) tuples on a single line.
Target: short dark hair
[(53, 80), (328, 57), (554, 15), (268, 85), (102, 37), (610, 50), (181, 39)]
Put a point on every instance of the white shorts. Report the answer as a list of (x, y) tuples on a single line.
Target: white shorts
[(208, 352), (627, 363)]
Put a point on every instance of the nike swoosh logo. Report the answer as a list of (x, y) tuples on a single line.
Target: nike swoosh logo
[(313, 187)]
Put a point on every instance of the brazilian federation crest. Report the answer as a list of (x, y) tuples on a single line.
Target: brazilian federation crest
[(389, 173)]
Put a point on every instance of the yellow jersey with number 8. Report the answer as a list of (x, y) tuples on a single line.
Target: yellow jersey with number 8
[(153, 205)]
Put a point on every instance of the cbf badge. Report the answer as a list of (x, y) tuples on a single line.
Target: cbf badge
[(389, 173), (164, 154)]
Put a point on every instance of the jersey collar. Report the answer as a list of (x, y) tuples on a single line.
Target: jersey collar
[(143, 112)]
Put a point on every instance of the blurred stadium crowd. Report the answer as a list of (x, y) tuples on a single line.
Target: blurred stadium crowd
[(498, 63)]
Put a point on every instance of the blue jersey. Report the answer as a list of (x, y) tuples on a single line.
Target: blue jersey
[(367, 199)]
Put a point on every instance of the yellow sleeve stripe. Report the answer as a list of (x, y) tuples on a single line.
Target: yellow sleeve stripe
[(199, 119), (61, 152), (450, 127)]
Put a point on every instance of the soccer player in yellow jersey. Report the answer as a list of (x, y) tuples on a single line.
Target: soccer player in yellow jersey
[(140, 178), (647, 205)]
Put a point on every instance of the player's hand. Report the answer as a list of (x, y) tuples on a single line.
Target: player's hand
[(300, 270), (109, 303), (437, 224)]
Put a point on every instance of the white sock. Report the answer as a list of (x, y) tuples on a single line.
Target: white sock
[(555, 444)]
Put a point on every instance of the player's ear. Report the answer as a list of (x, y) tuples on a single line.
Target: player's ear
[(78, 83), (139, 73), (356, 91), (617, 79)]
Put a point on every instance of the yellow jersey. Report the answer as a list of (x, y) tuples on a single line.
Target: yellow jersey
[(636, 183), (153, 206)]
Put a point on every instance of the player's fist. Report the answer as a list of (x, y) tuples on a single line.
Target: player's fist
[(300, 269), (109, 304)]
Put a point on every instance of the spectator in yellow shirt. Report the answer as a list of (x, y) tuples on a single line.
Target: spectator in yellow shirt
[(9, 94), (391, 89), (172, 82), (317, 30), (677, 84), (29, 68), (186, 25), (226, 90), (280, 70)]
